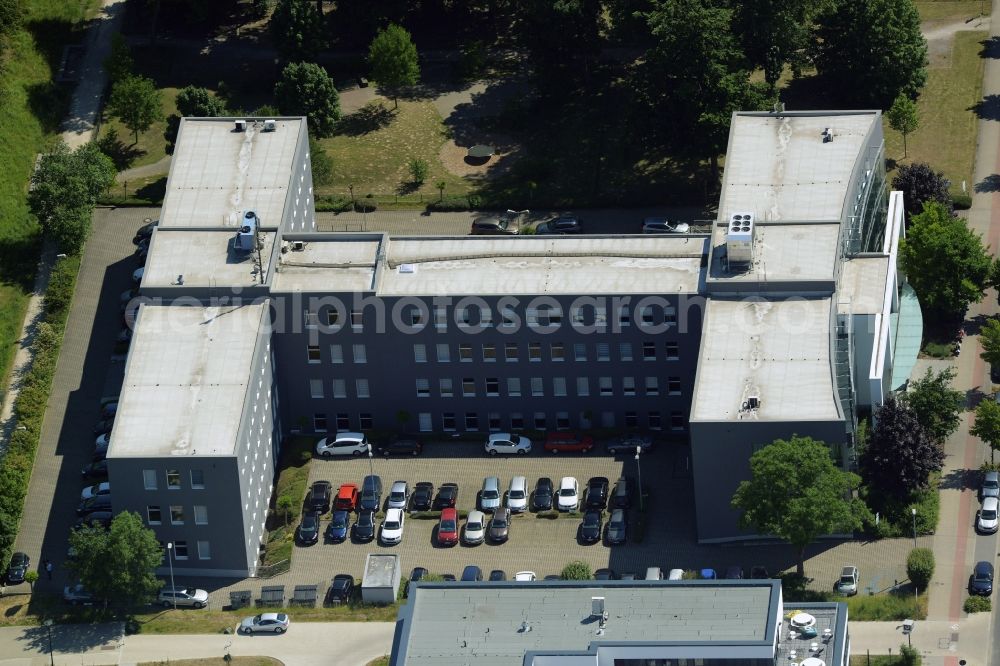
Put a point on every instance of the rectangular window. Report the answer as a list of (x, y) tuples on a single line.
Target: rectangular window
[(628, 385), (625, 351), (332, 317), (531, 317), (360, 355), (468, 387), (197, 479), (493, 420), (416, 317), (559, 386), (600, 317), (534, 351), (316, 388), (312, 354), (465, 353), (361, 386), (631, 420), (200, 515), (424, 422), (492, 386), (624, 317), (562, 420), (485, 317), (319, 422), (448, 421), (311, 320), (471, 421), (516, 421), (149, 479), (443, 353), (423, 387), (446, 387), (674, 385), (153, 516), (339, 388), (508, 319), (648, 351), (652, 386), (365, 421), (579, 352), (173, 479), (605, 385), (510, 352), (673, 352), (357, 319), (647, 314), (577, 318), (180, 550), (419, 353), (582, 386), (336, 354), (514, 387), (204, 551), (537, 388), (677, 421), (670, 316), (343, 422), (558, 351), (463, 317), (654, 421), (603, 351), (490, 353), (607, 419), (539, 420), (176, 515)]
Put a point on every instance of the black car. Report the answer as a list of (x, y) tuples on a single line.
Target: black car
[(627, 444), (564, 224), (448, 578), (597, 493), (95, 519), (423, 496), (103, 426), (401, 446), (336, 531), (18, 568), (734, 573), (371, 493), (621, 496), (447, 496), (92, 504), (318, 497), (95, 470), (364, 527), (759, 572), (497, 575), (541, 499), (341, 589), (981, 580), (308, 533), (472, 574), (418, 574), (605, 574), (145, 231), (590, 528)]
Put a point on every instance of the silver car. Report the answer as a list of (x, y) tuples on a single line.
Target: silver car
[(489, 496), (183, 596), (986, 519), (276, 623), (517, 495), (661, 225), (399, 495), (475, 528)]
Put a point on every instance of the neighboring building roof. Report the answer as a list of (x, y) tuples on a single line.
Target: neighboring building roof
[(783, 252), (337, 263), (216, 172), (203, 259), (186, 381), (862, 285)]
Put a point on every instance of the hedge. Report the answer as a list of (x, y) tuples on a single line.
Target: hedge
[(29, 409), (920, 567)]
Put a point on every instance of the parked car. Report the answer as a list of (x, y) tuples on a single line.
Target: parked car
[(364, 527), (475, 528), (676, 574), (499, 528), (109, 409), (447, 496), (344, 444), (496, 225), (627, 443), (489, 496), (95, 470), (505, 442), (416, 575), (77, 595), (144, 232), (661, 225), (591, 526), (103, 441), (336, 531), (448, 578), (986, 517), (275, 623), (564, 224), (18, 568), (759, 572), (308, 532), (708, 574), (341, 590), (569, 494), (104, 426), (98, 503), (472, 574), (617, 527), (498, 575), (628, 575), (318, 497), (371, 493), (541, 499), (734, 573), (621, 496), (447, 534), (525, 576), (423, 496), (347, 497), (597, 492), (102, 488), (568, 442), (848, 583), (981, 580), (990, 486), (182, 596), (654, 573), (517, 494), (399, 495), (605, 574), (137, 274), (401, 446), (392, 526), (95, 519)]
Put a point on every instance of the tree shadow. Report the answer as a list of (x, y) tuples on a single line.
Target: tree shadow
[(989, 184), (153, 192), (121, 154), (49, 104), (371, 117), (960, 479), (991, 47), (407, 187), (51, 35), (987, 108)]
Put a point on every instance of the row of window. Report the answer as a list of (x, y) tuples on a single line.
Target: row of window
[(154, 514), (181, 552), (150, 479), (511, 352), (449, 421)]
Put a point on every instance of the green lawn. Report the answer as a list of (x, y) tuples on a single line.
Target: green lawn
[(949, 10), (31, 107), (151, 147)]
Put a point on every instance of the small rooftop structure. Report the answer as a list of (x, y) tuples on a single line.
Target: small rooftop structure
[(380, 583), (328, 263)]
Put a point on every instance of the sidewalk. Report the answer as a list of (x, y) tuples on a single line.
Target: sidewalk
[(940, 642)]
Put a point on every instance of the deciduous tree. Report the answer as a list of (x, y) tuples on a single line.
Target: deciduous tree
[(136, 101), (118, 564), (796, 493), (774, 34), (902, 117), (935, 403), (199, 103), (393, 59), (919, 184), (576, 570), (900, 454), (11, 14), (297, 30), (306, 89), (987, 424)]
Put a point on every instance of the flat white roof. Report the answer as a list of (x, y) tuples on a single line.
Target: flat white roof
[(330, 265), (186, 381), (862, 285), (203, 258), (491, 265), (782, 252), (217, 172), (777, 349)]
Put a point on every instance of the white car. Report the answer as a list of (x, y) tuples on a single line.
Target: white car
[(392, 526), (986, 519), (505, 442), (517, 495), (344, 444), (569, 494), (475, 528), (525, 576), (399, 495), (676, 574), (661, 225), (103, 488)]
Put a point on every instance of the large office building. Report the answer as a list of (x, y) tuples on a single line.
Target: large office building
[(782, 319)]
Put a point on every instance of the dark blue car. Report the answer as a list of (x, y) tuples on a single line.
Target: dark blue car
[(337, 531)]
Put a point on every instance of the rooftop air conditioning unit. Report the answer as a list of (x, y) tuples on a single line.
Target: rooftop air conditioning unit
[(739, 239), (269, 125), (241, 125), (298, 246), (827, 134), (246, 237)]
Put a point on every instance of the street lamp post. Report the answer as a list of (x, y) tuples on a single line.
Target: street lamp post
[(638, 467), (913, 512), (48, 627), (371, 465), (170, 560)]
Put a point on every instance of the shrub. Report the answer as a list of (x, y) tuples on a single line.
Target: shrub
[(365, 205), (576, 570), (961, 201), (418, 170), (920, 567), (334, 204), (977, 605), (449, 204)]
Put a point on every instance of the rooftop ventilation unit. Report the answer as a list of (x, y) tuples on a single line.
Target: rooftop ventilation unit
[(269, 125), (240, 125), (298, 246), (739, 239), (827, 134), (246, 237)]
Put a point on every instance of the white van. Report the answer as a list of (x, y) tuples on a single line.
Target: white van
[(654, 573), (344, 444)]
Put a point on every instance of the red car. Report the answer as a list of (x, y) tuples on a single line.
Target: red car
[(448, 527), (347, 497), (568, 442)]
